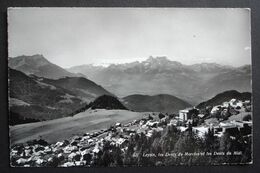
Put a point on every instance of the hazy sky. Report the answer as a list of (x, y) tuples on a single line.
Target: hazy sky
[(75, 36)]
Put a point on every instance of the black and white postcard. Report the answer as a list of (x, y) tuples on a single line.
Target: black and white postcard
[(118, 87)]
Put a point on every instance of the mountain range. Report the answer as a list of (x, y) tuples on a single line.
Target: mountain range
[(33, 98), (30, 98), (39, 66), (156, 75), (159, 75)]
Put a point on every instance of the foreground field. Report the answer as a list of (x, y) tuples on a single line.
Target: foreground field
[(64, 128)]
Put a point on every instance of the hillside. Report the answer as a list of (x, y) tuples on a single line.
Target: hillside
[(39, 66), (35, 100), (106, 102), (158, 103), (225, 96), (64, 128), (82, 87)]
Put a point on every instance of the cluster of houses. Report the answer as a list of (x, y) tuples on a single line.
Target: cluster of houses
[(79, 150), (219, 127), (233, 103), (82, 150)]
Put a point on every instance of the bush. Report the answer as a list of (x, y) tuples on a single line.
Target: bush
[(248, 108), (247, 117), (171, 116), (39, 142), (161, 115), (16, 118), (238, 107), (150, 117)]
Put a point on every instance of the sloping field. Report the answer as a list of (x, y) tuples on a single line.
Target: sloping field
[(240, 116), (64, 128)]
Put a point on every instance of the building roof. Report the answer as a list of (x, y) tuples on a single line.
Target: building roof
[(201, 115), (182, 129)]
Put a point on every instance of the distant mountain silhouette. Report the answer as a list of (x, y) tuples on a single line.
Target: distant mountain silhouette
[(224, 97), (39, 66), (156, 75), (106, 102), (157, 103), (236, 79), (210, 68)]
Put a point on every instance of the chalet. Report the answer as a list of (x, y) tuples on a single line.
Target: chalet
[(235, 103), (128, 131), (247, 102), (80, 163), (142, 122), (201, 115), (152, 123), (215, 109), (119, 141), (158, 129), (201, 130), (96, 150), (175, 122), (69, 149), (39, 161), (188, 122), (227, 125), (149, 133), (118, 124), (225, 104), (68, 164), (233, 128), (248, 123), (182, 128), (188, 113), (239, 124)]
